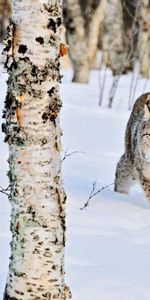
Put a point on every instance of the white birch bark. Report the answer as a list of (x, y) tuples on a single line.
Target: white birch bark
[(112, 39), (36, 269), (144, 37)]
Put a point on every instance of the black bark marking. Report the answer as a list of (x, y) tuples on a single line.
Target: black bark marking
[(9, 42), (45, 117), (29, 290), (19, 293), (52, 25), (56, 145), (51, 91), (34, 70), (60, 78), (9, 100), (22, 49), (7, 297), (53, 109), (40, 40), (59, 21), (57, 179), (47, 296), (52, 9), (8, 46), (36, 251), (4, 128), (44, 141), (19, 274), (52, 119)]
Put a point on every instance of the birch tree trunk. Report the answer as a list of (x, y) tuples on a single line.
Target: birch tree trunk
[(130, 32), (94, 30), (112, 40), (144, 37), (5, 13), (77, 41), (82, 36), (36, 268)]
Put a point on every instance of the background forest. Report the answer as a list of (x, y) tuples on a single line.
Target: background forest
[(106, 68)]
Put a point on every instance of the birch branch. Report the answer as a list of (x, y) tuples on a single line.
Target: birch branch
[(94, 192), (68, 154), (5, 191)]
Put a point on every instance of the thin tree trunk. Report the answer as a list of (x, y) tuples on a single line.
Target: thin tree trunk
[(5, 13), (112, 40), (130, 32), (82, 36), (144, 38), (36, 269), (94, 30), (77, 41)]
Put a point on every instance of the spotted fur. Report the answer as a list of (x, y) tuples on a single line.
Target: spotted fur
[(134, 165)]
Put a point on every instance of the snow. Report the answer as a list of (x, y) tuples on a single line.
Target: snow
[(108, 242)]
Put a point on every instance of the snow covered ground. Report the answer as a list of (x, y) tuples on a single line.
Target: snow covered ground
[(108, 242)]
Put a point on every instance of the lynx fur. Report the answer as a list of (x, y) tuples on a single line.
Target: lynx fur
[(134, 165)]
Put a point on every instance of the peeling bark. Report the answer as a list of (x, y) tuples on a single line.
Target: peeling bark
[(32, 131)]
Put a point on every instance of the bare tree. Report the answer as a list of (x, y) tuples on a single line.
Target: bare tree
[(32, 131)]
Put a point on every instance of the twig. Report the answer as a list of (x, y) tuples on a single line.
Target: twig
[(133, 87), (66, 154), (113, 90), (94, 193), (134, 32), (102, 87), (127, 61), (5, 191), (130, 91)]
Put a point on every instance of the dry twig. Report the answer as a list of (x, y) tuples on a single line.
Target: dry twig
[(5, 191), (67, 154), (102, 87), (94, 193)]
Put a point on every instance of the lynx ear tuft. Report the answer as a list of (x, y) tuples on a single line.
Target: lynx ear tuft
[(147, 109)]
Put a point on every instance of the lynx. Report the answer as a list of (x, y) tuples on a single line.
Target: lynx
[(134, 165)]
